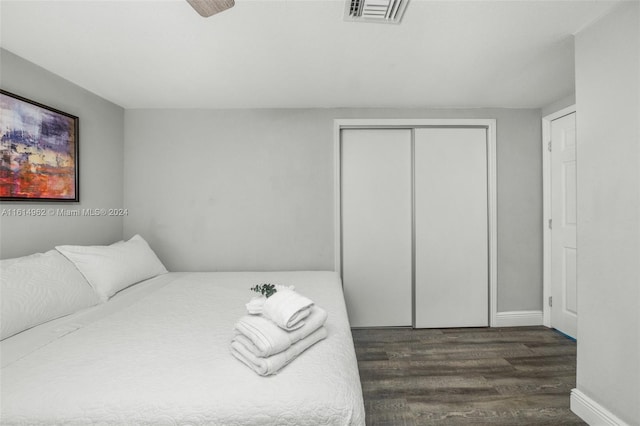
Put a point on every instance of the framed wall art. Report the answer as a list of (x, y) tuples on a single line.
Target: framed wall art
[(38, 151)]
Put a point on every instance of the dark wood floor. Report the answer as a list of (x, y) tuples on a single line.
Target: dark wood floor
[(483, 376)]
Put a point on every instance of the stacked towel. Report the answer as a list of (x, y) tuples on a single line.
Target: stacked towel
[(287, 327), (287, 309), (272, 364), (264, 337)]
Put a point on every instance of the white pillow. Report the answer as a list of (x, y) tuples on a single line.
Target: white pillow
[(39, 288), (110, 269)]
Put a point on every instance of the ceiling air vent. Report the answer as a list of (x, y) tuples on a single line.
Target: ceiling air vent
[(387, 11)]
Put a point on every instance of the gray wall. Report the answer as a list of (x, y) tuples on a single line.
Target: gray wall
[(253, 189), (608, 108), (101, 164)]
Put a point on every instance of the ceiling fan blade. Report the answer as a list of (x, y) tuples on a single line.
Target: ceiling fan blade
[(207, 8)]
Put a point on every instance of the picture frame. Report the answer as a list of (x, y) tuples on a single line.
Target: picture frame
[(39, 153)]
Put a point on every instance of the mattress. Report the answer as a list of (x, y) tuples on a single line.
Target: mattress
[(159, 354)]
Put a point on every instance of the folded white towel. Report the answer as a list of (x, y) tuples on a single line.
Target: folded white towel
[(287, 309), (264, 338), (254, 306), (272, 364), (285, 287)]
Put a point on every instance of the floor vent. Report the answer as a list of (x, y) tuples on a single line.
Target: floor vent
[(385, 11)]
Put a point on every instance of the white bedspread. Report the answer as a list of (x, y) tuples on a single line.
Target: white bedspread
[(164, 359)]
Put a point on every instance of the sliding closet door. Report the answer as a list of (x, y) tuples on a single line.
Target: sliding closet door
[(376, 226), (451, 240)]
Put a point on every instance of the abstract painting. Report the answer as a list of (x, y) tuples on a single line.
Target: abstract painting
[(38, 151)]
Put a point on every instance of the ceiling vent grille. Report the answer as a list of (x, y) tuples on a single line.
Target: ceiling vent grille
[(387, 11)]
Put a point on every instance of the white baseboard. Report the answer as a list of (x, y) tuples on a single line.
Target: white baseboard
[(592, 412), (518, 318)]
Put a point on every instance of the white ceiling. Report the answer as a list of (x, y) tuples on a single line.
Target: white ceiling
[(301, 53)]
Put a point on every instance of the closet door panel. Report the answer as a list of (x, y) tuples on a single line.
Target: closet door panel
[(376, 226), (451, 228)]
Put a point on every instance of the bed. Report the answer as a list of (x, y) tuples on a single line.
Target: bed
[(158, 353)]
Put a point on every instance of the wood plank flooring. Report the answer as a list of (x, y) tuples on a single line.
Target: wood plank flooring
[(482, 376)]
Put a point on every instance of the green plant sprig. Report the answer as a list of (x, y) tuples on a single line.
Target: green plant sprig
[(265, 289)]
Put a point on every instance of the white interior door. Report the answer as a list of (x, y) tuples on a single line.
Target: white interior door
[(451, 228), (564, 314), (376, 226)]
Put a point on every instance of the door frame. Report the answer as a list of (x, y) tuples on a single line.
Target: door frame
[(489, 125), (546, 209)]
